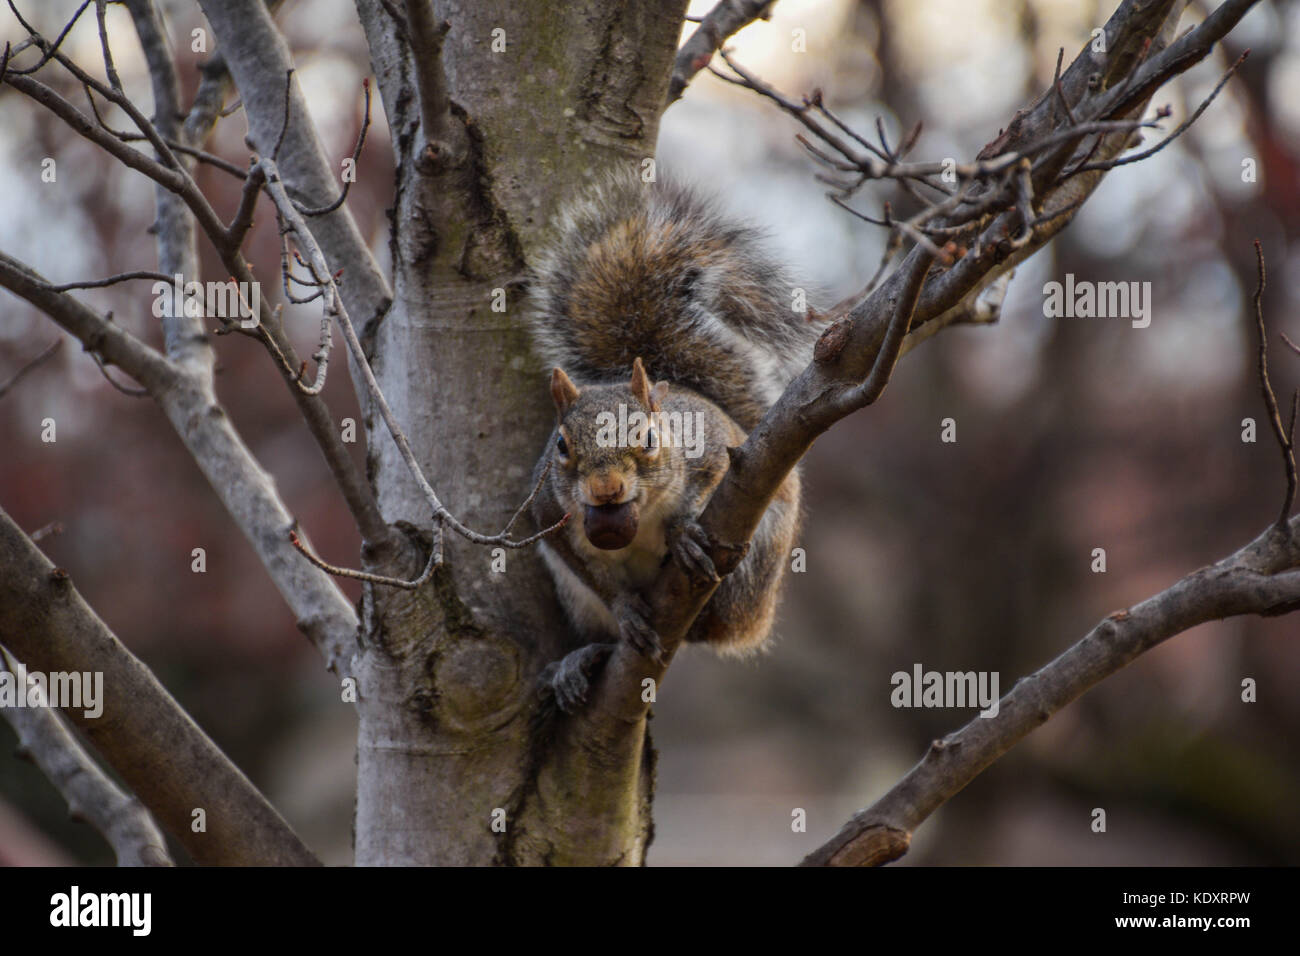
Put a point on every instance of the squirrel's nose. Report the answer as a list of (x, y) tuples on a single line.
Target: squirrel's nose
[(605, 489)]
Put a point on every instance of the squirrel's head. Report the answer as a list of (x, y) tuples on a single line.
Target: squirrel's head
[(608, 457)]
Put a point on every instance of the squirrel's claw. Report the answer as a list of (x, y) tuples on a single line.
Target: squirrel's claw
[(569, 679), (571, 688), (634, 627), (689, 548)]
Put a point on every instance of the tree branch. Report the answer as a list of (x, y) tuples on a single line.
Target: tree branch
[(119, 816), (356, 491), (1285, 435), (116, 345), (1255, 580), (322, 611), (178, 254), (147, 737), (259, 59), (444, 138), (28, 366), (728, 17)]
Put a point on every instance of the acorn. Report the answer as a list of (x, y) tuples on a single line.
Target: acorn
[(610, 527)]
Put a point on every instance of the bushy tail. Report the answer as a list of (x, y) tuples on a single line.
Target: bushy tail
[(655, 270)]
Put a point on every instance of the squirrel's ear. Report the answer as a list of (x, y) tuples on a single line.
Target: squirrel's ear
[(563, 391), (640, 384), (657, 396)]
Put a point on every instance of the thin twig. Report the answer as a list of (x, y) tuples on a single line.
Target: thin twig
[(193, 152), (114, 81), (46, 531), (114, 280), (1291, 345), (1181, 128), (356, 158), (48, 50), (1282, 434), (726, 18), (30, 365), (1056, 87), (243, 220), (435, 559), (127, 390)]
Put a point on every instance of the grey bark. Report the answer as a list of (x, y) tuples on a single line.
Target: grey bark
[(447, 676)]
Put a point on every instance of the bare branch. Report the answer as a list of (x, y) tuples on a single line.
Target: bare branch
[(114, 280), (30, 365), (985, 309), (174, 179), (1281, 433), (127, 390), (192, 152), (1178, 131), (435, 559), (1256, 580), (323, 613), (357, 492), (329, 312), (728, 17), (119, 816), (156, 748), (45, 531), (47, 51), (356, 158), (444, 137), (243, 221), (1289, 344), (883, 368), (175, 224), (207, 106), (114, 82), (111, 342)]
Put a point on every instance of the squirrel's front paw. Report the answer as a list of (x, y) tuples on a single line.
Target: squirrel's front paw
[(689, 542), (633, 616), (569, 678)]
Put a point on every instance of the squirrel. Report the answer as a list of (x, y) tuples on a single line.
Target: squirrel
[(650, 279)]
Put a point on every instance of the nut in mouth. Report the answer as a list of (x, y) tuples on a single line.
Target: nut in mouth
[(610, 527)]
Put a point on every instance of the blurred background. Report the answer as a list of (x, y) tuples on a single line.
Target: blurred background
[(1073, 434)]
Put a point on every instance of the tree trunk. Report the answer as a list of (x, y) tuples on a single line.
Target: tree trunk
[(456, 765)]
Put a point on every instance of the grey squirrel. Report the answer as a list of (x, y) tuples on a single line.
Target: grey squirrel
[(671, 331)]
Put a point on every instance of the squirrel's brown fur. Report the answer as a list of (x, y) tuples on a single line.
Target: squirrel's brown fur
[(656, 271), (648, 283)]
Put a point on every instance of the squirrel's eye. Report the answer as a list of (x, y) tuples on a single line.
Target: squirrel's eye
[(651, 438), (562, 446)]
